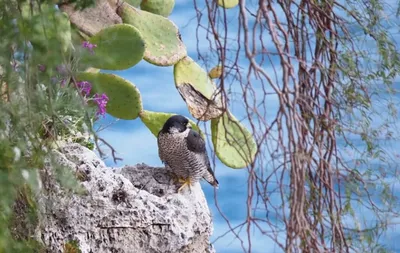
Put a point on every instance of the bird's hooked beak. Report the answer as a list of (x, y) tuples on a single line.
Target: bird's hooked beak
[(188, 125)]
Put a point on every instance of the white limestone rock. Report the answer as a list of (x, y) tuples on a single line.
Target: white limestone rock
[(129, 209)]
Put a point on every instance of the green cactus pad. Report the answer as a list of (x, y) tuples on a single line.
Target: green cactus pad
[(227, 4), (197, 89), (233, 143), (117, 47), (159, 7), (134, 3), (215, 72), (164, 46), (154, 121), (124, 98)]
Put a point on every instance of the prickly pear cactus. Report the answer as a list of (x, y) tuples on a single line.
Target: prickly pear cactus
[(227, 4), (215, 72), (233, 143), (198, 90), (124, 98), (134, 3), (93, 19), (159, 7), (118, 47), (154, 121), (147, 34), (164, 46)]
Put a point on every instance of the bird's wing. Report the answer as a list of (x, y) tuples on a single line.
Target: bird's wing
[(160, 153), (196, 144)]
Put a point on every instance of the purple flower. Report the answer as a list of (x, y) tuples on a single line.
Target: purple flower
[(63, 82), (42, 68), (62, 69), (85, 87), (101, 101), (89, 46), (54, 80)]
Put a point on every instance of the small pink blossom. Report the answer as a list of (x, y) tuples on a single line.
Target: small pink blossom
[(62, 69), (63, 82), (101, 101), (89, 46), (42, 68), (54, 80), (85, 87)]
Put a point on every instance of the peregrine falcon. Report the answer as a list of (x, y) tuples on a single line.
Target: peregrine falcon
[(184, 151)]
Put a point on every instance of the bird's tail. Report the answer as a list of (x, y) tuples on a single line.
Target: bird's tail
[(210, 178)]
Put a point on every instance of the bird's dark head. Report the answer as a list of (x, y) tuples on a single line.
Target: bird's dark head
[(176, 124)]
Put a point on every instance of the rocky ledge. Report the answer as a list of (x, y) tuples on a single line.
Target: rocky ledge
[(129, 209)]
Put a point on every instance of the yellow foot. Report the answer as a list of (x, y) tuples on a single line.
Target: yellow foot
[(185, 182)]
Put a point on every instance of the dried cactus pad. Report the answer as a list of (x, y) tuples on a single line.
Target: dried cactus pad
[(159, 7), (188, 71), (197, 89), (154, 121), (118, 47), (164, 46), (227, 4), (124, 98), (233, 143)]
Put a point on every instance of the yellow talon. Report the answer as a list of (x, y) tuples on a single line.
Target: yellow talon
[(185, 182)]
